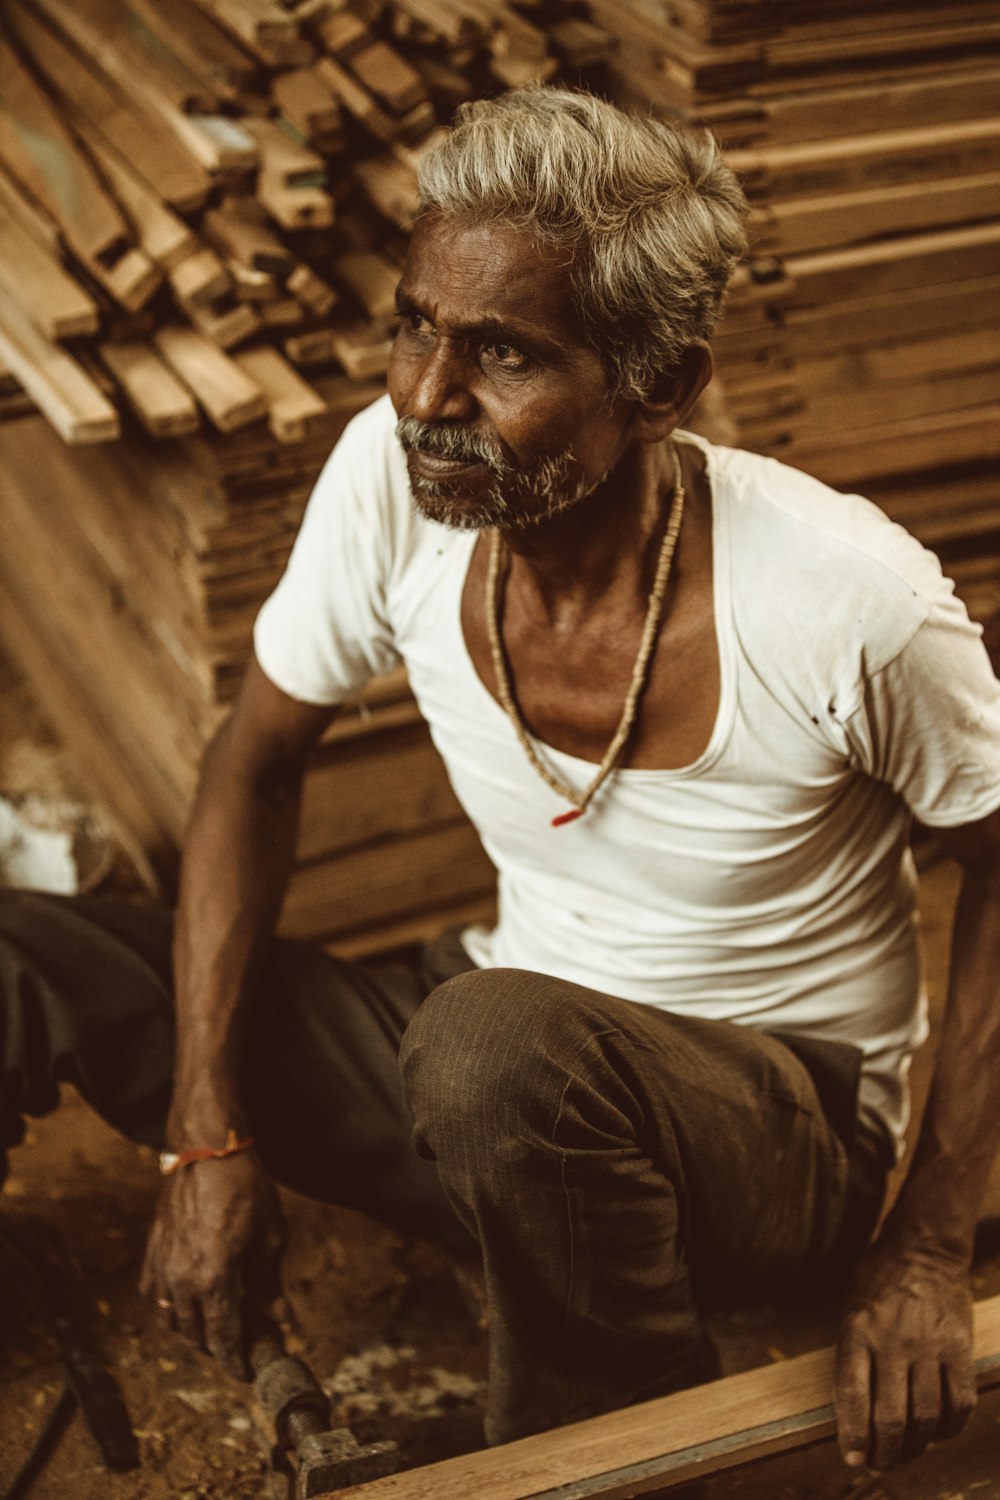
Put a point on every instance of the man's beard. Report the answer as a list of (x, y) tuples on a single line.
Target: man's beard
[(517, 497)]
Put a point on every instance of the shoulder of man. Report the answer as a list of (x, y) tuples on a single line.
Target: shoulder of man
[(828, 573)]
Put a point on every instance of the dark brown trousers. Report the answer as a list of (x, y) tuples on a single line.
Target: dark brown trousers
[(619, 1166)]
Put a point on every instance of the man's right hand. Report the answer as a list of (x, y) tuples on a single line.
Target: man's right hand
[(218, 1237)]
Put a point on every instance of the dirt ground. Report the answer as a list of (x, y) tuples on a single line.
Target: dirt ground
[(381, 1320)]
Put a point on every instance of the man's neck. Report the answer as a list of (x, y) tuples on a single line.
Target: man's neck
[(606, 543)]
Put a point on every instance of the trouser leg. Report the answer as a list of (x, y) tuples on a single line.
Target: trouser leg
[(601, 1152), (86, 998)]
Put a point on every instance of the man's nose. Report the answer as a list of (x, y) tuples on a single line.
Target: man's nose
[(440, 389)]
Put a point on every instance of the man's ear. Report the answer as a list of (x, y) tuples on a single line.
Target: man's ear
[(673, 395)]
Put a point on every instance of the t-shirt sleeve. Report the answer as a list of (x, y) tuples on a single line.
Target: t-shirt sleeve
[(325, 632), (929, 723)]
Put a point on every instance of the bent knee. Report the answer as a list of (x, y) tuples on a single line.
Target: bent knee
[(487, 1039)]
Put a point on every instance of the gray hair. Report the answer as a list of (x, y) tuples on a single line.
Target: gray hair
[(651, 215)]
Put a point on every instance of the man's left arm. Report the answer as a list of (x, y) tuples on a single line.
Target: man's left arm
[(904, 1362)]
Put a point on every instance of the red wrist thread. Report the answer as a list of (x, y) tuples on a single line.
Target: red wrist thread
[(172, 1161)]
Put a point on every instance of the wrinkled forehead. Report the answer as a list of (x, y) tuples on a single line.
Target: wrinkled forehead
[(459, 272)]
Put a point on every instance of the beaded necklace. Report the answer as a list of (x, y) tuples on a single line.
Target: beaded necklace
[(581, 800)]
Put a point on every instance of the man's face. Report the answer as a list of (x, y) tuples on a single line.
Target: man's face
[(505, 411)]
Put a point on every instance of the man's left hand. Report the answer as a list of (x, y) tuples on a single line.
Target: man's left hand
[(904, 1372)]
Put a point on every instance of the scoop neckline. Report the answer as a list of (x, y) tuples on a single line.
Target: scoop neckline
[(722, 612)]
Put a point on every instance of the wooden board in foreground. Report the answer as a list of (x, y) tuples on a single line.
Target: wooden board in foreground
[(647, 1448)]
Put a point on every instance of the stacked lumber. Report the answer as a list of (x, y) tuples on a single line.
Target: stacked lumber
[(204, 205), (213, 196), (132, 621), (862, 339)]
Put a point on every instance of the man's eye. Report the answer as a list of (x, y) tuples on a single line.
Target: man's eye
[(507, 356), (412, 322)]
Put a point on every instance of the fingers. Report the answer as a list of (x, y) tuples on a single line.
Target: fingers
[(889, 1412), (853, 1399), (959, 1397), (925, 1407), (223, 1333)]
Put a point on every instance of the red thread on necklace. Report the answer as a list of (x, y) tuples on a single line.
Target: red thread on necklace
[(567, 817)]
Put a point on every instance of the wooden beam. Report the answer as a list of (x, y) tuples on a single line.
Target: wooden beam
[(136, 134), (644, 1449), (46, 292), (43, 156), (293, 404), (161, 403), (60, 389), (229, 397)]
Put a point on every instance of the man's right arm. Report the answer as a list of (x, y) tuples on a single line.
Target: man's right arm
[(218, 1224)]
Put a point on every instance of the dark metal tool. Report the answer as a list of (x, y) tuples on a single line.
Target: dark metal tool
[(308, 1456), (89, 1383)]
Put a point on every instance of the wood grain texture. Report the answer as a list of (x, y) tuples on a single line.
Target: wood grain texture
[(642, 1449), (70, 400)]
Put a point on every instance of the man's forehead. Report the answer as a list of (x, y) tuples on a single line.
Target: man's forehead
[(489, 271)]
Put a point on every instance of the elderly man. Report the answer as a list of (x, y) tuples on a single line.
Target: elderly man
[(691, 700)]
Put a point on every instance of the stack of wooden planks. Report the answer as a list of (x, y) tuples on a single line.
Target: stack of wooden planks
[(862, 341), (129, 578), (203, 209), (201, 199)]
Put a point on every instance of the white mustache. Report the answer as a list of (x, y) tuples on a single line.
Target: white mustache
[(446, 441)]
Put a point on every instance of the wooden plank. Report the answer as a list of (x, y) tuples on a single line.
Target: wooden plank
[(253, 21), (880, 319), (119, 39), (46, 665), (40, 152), (850, 218), (363, 350), (155, 394), (292, 180), (248, 239), (817, 113), (46, 293), (138, 136), (32, 219), (356, 100), (934, 441), (372, 279), (101, 32), (389, 77), (78, 411), (375, 786), (376, 940), (200, 280), (827, 51), (304, 98), (312, 291), (343, 33), (897, 264), (642, 1449), (203, 47), (831, 404), (391, 187), (293, 404), (387, 881), (162, 234), (230, 397), (882, 158)]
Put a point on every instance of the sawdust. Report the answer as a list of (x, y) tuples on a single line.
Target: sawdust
[(365, 1385)]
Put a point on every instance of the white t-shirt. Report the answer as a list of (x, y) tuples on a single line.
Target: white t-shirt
[(769, 882)]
